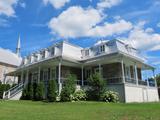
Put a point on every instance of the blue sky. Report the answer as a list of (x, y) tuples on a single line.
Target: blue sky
[(41, 23)]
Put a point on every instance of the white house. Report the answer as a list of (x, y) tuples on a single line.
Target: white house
[(120, 64), (9, 61)]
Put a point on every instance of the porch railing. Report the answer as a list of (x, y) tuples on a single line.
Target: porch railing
[(141, 82), (116, 80), (13, 91)]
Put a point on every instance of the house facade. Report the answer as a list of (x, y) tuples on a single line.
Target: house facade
[(120, 64), (9, 61)]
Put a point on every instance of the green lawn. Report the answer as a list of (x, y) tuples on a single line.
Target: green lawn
[(28, 110)]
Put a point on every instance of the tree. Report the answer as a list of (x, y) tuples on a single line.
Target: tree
[(3, 87), (39, 91), (52, 91), (158, 80), (27, 93), (68, 88), (30, 91), (97, 86)]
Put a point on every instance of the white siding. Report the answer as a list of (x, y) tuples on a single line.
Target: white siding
[(71, 51), (141, 94)]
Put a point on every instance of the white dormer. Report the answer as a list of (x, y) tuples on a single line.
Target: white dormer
[(38, 56), (30, 58), (46, 53), (42, 54), (51, 51), (102, 48)]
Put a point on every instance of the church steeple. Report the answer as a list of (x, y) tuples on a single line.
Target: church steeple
[(18, 47)]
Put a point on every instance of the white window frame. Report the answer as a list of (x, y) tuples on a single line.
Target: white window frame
[(87, 52), (102, 48)]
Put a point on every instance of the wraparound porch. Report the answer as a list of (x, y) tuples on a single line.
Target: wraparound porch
[(114, 70)]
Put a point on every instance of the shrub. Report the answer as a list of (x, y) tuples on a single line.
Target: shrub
[(30, 91), (27, 93), (110, 96), (68, 88), (97, 85), (39, 91), (52, 91), (79, 95), (3, 87)]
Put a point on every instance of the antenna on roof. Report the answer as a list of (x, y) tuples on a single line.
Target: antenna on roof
[(18, 46)]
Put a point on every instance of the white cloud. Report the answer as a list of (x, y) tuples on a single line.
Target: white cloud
[(75, 21), (22, 4), (7, 7), (79, 22), (144, 39), (4, 23), (158, 25), (56, 3), (107, 3), (109, 29)]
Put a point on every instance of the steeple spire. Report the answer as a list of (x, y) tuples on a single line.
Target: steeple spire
[(18, 46)]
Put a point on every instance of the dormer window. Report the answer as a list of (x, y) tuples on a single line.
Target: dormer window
[(102, 48), (36, 58), (87, 52), (52, 51), (129, 49), (43, 54)]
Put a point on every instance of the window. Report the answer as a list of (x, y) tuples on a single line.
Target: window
[(102, 48), (36, 58), (129, 49), (43, 54), (52, 51), (86, 52)]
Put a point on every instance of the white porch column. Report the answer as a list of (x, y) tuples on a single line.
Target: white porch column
[(147, 78), (135, 73), (14, 81), (123, 76), (9, 94), (59, 78), (4, 94), (154, 76), (22, 76), (4, 79), (82, 74), (39, 73)]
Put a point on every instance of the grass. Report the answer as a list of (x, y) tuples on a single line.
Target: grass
[(28, 110)]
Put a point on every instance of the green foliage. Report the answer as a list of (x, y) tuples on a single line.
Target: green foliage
[(68, 88), (79, 95), (30, 91), (97, 87), (27, 93), (39, 91), (110, 96), (52, 91), (3, 87), (158, 80)]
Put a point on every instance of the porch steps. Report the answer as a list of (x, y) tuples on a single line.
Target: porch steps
[(14, 93)]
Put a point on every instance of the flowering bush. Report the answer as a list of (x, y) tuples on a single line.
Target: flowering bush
[(110, 96), (79, 95)]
